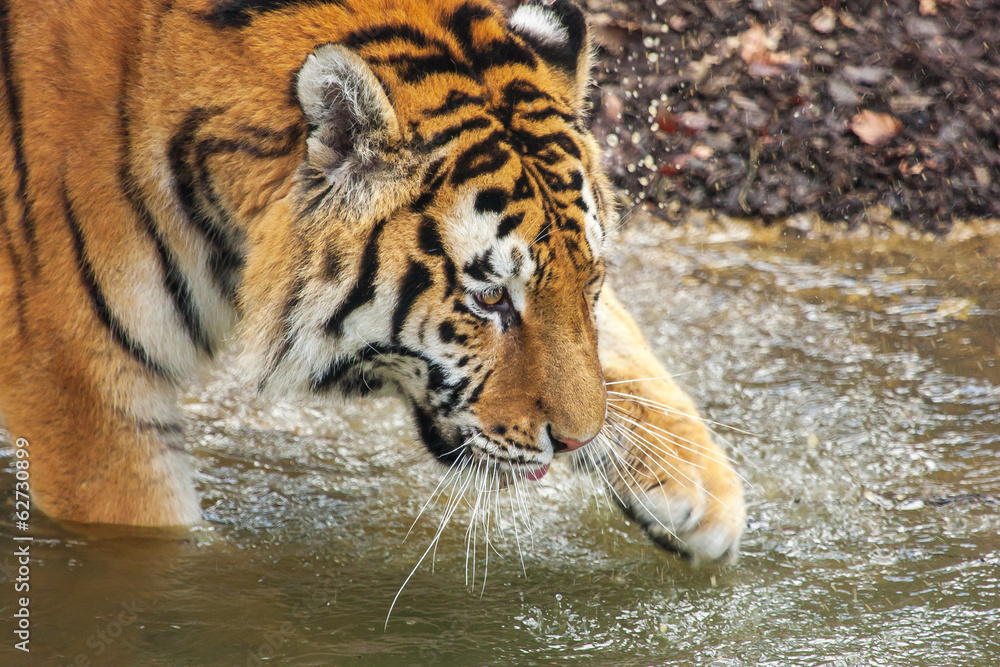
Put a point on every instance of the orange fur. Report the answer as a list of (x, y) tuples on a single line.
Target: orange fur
[(172, 168)]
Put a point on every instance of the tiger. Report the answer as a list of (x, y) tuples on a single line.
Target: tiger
[(358, 197)]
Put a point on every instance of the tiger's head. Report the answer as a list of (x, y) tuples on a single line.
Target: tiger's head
[(444, 238)]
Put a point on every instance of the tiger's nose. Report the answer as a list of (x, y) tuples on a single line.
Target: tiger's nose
[(560, 445)]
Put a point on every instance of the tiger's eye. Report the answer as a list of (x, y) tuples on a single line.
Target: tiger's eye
[(492, 296)]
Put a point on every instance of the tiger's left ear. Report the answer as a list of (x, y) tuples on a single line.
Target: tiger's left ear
[(354, 133), (557, 31)]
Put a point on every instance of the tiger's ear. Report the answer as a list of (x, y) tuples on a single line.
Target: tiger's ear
[(557, 31), (352, 125)]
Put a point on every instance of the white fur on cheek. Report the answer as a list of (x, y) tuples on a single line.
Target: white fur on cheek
[(471, 232), (592, 227), (540, 23)]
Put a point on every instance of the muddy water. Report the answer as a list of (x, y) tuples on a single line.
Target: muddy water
[(866, 371)]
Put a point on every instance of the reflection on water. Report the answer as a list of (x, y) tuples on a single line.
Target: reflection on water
[(866, 369)]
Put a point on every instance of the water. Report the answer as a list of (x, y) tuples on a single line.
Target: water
[(867, 371)]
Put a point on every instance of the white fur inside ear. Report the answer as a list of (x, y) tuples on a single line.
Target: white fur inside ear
[(333, 77), (354, 132), (345, 104), (540, 23)]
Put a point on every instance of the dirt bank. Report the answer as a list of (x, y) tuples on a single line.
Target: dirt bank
[(858, 110)]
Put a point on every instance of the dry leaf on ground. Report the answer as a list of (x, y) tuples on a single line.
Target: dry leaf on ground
[(825, 20), (875, 128)]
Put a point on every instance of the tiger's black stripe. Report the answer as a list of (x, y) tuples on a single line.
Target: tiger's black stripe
[(332, 375), (483, 157), (388, 32), (414, 282), (433, 438), (223, 258), (364, 289), (413, 69), (103, 311), (508, 224), (522, 188), (27, 222), (539, 115), (503, 51), (491, 200), (447, 136), (541, 146), (474, 396), (480, 267), (450, 276), (522, 90), (338, 370), (433, 180), (456, 100), (316, 200), (287, 331), (241, 13), (429, 237), (447, 334), (174, 281), (536, 182), (452, 400), (287, 141), (15, 265)]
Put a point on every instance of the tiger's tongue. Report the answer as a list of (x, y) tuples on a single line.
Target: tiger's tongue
[(538, 473)]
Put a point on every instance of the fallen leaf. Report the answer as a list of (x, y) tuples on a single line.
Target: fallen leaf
[(694, 121), (919, 28), (928, 7), (757, 49), (702, 152), (848, 20), (666, 121), (875, 128), (699, 70), (866, 75), (614, 108), (910, 103), (825, 20)]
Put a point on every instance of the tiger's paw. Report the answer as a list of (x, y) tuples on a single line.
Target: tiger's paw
[(700, 524), (668, 473)]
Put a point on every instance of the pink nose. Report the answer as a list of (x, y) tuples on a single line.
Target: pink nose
[(568, 444)]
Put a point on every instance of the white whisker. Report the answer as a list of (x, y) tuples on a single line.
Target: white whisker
[(434, 493), (650, 511), (667, 409), (434, 541), (678, 441)]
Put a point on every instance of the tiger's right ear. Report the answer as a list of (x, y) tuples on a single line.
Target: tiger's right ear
[(352, 125), (557, 31)]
